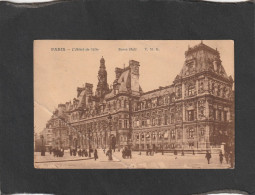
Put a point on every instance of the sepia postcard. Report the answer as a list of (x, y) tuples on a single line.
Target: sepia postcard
[(134, 104)]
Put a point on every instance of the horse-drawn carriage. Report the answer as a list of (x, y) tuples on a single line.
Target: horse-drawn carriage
[(126, 153)]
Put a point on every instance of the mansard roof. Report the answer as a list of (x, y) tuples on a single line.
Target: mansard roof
[(161, 91), (202, 58)]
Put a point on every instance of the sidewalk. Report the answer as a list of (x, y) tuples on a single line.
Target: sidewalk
[(50, 157)]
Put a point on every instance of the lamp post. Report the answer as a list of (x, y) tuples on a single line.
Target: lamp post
[(89, 143), (110, 128)]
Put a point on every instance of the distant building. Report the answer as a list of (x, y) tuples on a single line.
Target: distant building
[(47, 137), (195, 112)]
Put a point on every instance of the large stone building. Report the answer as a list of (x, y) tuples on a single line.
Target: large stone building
[(195, 112)]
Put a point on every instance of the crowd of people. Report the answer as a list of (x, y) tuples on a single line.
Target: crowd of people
[(229, 157)]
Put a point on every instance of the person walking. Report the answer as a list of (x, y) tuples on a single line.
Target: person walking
[(208, 156), (71, 152), (221, 157), (109, 154), (95, 154)]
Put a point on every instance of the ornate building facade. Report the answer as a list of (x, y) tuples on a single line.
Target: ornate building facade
[(195, 112)]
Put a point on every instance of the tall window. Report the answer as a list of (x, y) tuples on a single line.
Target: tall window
[(219, 90), (220, 115), (191, 133), (165, 119), (153, 122), (120, 123), (153, 135), (214, 114), (191, 90), (190, 115), (125, 123), (202, 132), (173, 134), (225, 115), (172, 118), (213, 87)]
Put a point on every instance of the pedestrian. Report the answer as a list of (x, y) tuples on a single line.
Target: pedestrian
[(182, 152), (221, 157), (208, 156), (95, 154), (71, 152), (109, 154)]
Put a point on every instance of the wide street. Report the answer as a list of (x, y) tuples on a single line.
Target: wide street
[(158, 161)]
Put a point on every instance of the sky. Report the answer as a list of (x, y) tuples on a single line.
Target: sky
[(57, 74)]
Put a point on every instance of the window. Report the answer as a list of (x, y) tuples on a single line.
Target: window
[(179, 92), (179, 135), (190, 115), (213, 87), (153, 121), (220, 115), (142, 137), (165, 119), (125, 123), (214, 114), (202, 132), (225, 115), (173, 134), (191, 133), (172, 118), (153, 135), (219, 90), (120, 124), (159, 121), (191, 90), (154, 102)]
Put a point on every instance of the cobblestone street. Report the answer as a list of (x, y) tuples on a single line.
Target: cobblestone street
[(158, 161)]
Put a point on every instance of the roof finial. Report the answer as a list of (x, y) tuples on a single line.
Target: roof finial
[(201, 41), (124, 66)]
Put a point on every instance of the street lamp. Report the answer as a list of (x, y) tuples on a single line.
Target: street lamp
[(109, 125)]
